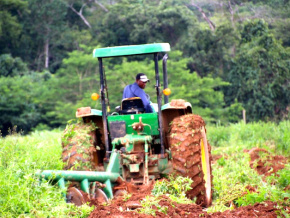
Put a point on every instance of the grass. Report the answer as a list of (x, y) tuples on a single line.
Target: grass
[(232, 173), (274, 137), (21, 194)]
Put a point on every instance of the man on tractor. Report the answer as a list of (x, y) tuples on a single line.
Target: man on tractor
[(136, 90)]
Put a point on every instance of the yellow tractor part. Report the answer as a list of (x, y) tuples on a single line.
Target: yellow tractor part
[(206, 166)]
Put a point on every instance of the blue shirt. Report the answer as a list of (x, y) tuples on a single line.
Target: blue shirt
[(134, 90)]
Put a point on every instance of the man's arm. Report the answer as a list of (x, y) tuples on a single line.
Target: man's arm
[(140, 93), (125, 92)]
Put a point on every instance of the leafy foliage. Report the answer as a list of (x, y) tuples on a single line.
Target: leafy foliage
[(268, 135), (19, 101), (10, 24), (10, 66), (241, 63), (21, 193), (175, 188), (150, 205), (260, 57), (232, 175), (129, 22)]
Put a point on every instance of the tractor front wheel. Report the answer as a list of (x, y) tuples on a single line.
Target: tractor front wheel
[(191, 156)]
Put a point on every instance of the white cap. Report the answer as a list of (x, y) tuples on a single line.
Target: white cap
[(144, 78)]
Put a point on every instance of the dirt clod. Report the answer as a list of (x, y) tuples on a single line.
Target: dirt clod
[(264, 162)]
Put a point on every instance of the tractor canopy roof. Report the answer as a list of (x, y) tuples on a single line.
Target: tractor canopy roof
[(131, 50)]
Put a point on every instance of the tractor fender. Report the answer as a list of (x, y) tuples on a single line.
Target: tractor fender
[(175, 108), (87, 112), (95, 116)]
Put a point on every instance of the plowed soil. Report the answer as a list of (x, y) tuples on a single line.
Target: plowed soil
[(128, 208), (264, 162), (261, 160)]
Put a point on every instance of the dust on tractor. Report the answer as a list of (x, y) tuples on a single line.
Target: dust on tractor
[(106, 152)]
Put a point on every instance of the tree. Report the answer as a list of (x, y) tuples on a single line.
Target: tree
[(260, 74), (11, 67), (73, 85), (209, 51), (10, 26), (128, 22), (18, 102), (44, 26)]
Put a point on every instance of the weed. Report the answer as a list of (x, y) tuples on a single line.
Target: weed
[(175, 188), (221, 161), (232, 176), (150, 205), (126, 196)]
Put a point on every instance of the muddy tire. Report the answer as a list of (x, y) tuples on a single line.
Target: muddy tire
[(80, 150), (191, 156)]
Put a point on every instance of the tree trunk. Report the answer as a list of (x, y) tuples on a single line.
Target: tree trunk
[(80, 13), (46, 53), (210, 23), (232, 13), (101, 6)]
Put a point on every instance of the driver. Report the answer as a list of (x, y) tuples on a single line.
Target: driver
[(136, 90)]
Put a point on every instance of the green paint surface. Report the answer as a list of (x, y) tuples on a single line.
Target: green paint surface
[(131, 50), (150, 119)]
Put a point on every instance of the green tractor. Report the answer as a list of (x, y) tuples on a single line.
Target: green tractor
[(107, 153)]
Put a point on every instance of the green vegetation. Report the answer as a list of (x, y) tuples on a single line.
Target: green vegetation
[(148, 203), (271, 136), (233, 177), (174, 188), (222, 60), (21, 194)]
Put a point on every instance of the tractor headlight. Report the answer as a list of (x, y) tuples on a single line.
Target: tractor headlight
[(166, 91), (95, 96)]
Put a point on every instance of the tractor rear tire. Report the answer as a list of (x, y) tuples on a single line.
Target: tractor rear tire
[(80, 151), (191, 156)]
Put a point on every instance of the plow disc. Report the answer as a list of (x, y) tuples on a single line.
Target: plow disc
[(88, 182), (75, 196), (100, 196), (78, 197)]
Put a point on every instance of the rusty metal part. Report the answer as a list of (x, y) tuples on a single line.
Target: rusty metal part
[(99, 184), (138, 127), (75, 196), (178, 103), (83, 111)]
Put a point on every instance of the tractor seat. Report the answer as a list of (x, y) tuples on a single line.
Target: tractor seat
[(132, 106)]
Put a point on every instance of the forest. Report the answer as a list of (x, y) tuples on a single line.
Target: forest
[(226, 56)]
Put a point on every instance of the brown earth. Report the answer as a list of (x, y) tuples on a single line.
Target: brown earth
[(120, 207), (261, 160), (264, 162)]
